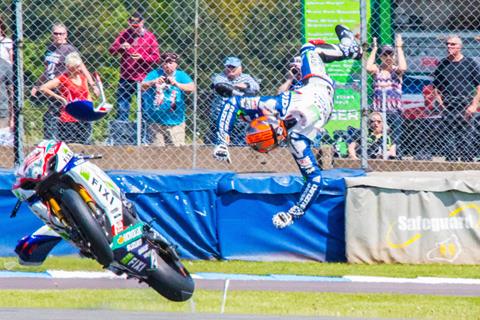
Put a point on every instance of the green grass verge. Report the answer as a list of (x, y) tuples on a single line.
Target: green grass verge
[(262, 268), (254, 302)]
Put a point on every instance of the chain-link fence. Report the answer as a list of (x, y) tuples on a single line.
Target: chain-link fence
[(170, 125), (424, 83)]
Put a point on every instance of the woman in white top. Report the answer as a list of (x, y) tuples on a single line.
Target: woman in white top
[(6, 44)]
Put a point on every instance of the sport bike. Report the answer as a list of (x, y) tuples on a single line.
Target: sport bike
[(78, 202)]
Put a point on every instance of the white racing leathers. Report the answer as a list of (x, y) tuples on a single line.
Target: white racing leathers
[(311, 107)]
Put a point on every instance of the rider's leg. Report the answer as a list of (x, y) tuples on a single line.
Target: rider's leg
[(348, 48), (300, 147)]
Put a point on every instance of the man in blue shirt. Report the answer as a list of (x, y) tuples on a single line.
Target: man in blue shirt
[(163, 101)]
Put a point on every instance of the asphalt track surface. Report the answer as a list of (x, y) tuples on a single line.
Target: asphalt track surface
[(443, 289), (447, 289), (55, 314)]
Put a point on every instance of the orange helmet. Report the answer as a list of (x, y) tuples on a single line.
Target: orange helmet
[(265, 133)]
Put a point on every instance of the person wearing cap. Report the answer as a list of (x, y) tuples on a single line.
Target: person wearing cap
[(139, 52), (388, 78), (293, 78), (163, 101), (243, 83)]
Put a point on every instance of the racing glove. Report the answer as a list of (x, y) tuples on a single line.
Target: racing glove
[(221, 153)]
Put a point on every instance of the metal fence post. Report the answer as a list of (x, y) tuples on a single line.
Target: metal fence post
[(384, 127), (139, 114), (364, 83), (195, 93), (18, 87)]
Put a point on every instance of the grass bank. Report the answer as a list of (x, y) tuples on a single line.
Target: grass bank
[(254, 302)]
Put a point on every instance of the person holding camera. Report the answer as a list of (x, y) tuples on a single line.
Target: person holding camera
[(139, 52), (163, 101), (242, 84), (293, 77)]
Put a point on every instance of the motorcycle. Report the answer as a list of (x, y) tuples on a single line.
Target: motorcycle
[(78, 202)]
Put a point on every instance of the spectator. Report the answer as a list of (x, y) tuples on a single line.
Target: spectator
[(55, 66), (294, 76), (374, 141), (138, 50), (6, 86), (244, 84), (457, 87), (164, 102), (388, 77), (6, 44), (72, 85)]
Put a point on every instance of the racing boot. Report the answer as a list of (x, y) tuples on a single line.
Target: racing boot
[(283, 219), (348, 44)]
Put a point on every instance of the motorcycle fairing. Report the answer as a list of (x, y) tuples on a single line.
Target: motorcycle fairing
[(32, 250)]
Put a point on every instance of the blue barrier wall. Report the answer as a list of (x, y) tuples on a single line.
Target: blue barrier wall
[(248, 201), (217, 215)]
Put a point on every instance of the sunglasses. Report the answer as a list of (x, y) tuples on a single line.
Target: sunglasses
[(230, 67), (376, 121), (134, 22), (59, 33), (451, 43), (168, 57)]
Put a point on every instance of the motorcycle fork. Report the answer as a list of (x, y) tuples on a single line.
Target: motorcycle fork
[(55, 208), (86, 197)]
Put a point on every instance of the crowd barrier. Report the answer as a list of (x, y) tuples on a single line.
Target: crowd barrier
[(413, 217), (217, 215)]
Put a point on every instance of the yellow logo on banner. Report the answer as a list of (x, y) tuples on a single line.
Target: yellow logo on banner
[(433, 224)]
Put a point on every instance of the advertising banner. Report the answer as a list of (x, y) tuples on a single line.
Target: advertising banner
[(413, 218), (320, 19)]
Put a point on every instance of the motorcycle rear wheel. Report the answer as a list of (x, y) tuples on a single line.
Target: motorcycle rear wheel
[(171, 279), (88, 226)]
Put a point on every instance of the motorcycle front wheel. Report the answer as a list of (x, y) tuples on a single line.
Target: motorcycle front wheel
[(88, 226), (171, 279)]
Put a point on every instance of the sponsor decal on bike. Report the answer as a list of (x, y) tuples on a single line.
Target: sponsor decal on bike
[(118, 226), (125, 260), (136, 264), (130, 235), (103, 190), (134, 244), (144, 249)]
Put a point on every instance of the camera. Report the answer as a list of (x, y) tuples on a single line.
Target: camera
[(295, 71)]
